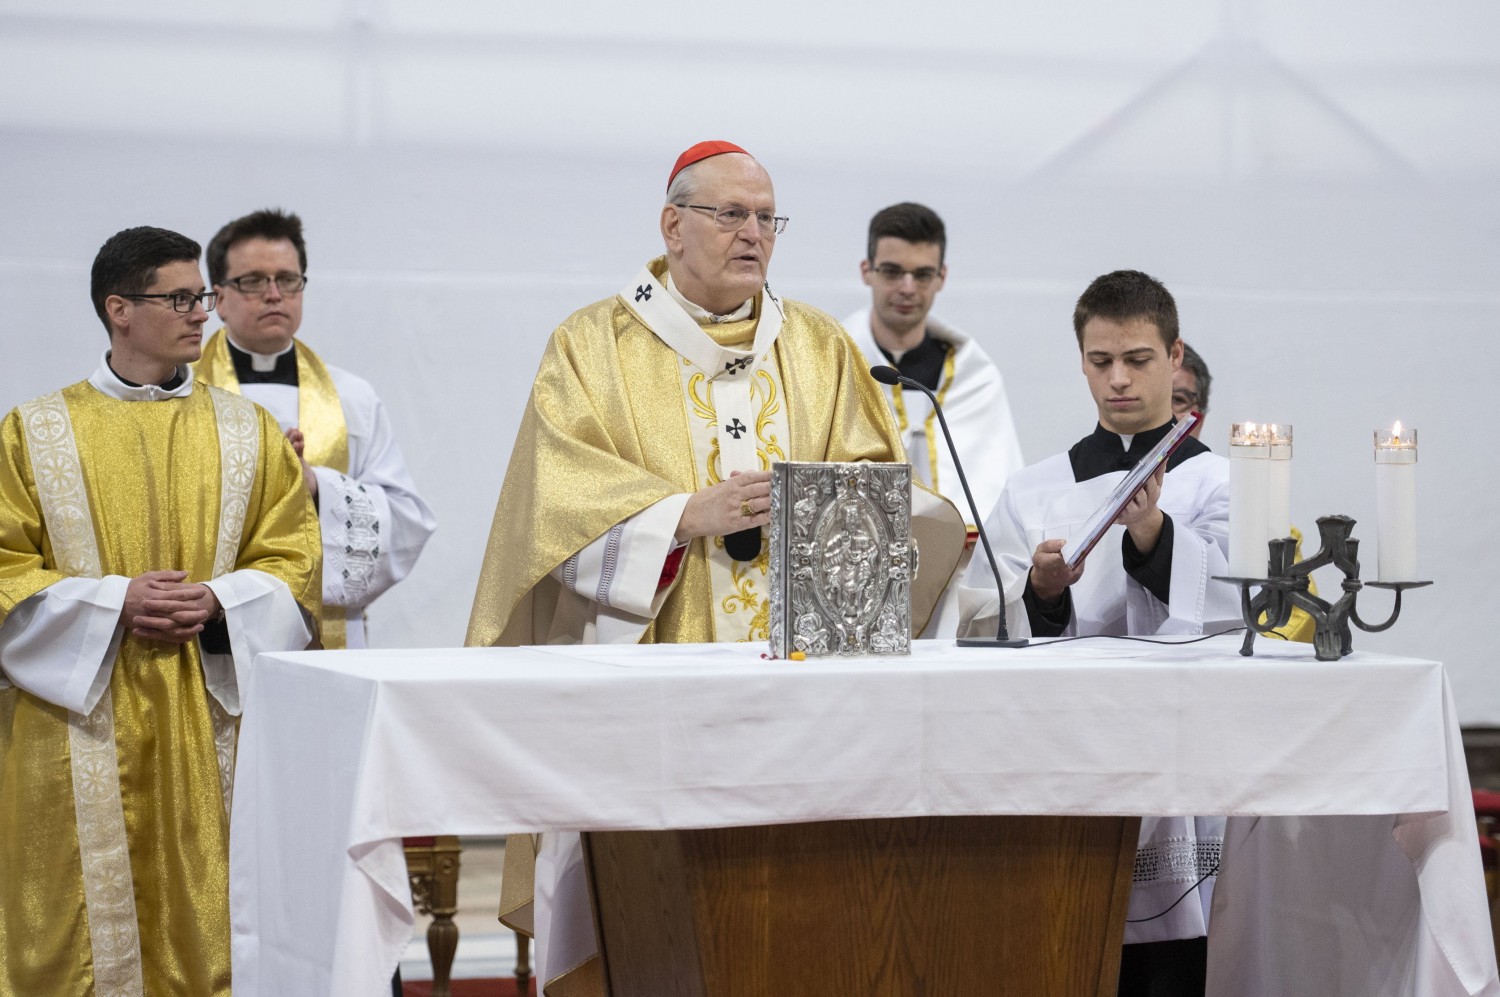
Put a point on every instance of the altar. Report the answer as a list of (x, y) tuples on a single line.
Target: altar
[(1351, 864)]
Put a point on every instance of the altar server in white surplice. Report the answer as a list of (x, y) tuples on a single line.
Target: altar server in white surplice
[(905, 267), (155, 537), (1150, 574), (635, 502), (373, 521)]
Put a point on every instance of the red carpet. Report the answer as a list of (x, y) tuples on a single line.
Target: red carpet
[(505, 987)]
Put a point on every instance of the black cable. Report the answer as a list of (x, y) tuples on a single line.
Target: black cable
[(1190, 889), (1144, 640), (1152, 640)]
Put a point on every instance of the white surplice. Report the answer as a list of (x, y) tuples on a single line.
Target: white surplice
[(1045, 502), (374, 524)]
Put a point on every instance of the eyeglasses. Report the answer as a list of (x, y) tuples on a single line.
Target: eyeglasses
[(182, 301), (256, 283), (732, 218), (891, 273), (1184, 400)]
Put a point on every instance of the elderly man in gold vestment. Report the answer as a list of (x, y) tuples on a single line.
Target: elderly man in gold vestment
[(155, 536), (639, 485)]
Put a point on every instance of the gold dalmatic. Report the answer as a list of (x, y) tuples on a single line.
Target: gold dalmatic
[(320, 417), (114, 858)]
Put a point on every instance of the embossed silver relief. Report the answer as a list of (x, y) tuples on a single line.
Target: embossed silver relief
[(842, 559)]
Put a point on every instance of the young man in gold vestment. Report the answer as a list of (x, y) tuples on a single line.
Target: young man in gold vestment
[(639, 485), (154, 537)]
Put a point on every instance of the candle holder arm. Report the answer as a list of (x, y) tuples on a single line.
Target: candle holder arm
[(1398, 588)]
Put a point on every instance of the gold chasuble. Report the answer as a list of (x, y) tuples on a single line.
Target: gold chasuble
[(619, 420), (114, 859), (320, 417)]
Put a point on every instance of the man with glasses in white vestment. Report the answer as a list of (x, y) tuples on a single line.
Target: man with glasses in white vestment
[(905, 267)]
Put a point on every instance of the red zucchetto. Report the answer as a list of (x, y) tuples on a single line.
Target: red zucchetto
[(700, 152)]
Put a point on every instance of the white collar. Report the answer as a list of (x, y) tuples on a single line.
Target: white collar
[(261, 362), (108, 382), (699, 313), (943, 332), (858, 325)]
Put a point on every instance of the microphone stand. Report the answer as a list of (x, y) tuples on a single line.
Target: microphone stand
[(1002, 638)]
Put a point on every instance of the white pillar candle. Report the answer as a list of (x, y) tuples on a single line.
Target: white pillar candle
[(1396, 503), (1279, 481), (1249, 492)]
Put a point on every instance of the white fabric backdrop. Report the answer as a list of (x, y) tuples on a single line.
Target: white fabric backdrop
[(1315, 182)]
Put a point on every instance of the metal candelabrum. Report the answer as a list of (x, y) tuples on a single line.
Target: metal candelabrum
[(1286, 589)]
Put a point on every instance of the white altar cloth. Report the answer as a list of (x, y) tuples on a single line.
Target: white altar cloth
[(1354, 871)]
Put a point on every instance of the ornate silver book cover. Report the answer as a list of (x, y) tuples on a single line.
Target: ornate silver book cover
[(842, 559)]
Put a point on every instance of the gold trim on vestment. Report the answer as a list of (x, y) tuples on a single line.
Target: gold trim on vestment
[(741, 606), (899, 404), (931, 423), (104, 850), (59, 485), (320, 415), (518, 883), (584, 980), (103, 847), (226, 743), (239, 456)]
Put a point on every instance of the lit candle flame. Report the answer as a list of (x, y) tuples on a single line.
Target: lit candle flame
[(1396, 430)]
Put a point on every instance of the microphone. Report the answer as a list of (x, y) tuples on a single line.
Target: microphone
[(890, 375)]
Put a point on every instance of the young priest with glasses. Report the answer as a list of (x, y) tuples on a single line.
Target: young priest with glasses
[(905, 268)]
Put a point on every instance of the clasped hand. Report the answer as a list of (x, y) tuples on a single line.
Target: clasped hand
[(720, 509), (164, 606)]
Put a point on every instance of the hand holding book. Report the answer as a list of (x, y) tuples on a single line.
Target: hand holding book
[(1050, 574), (1141, 517), (1119, 500)]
